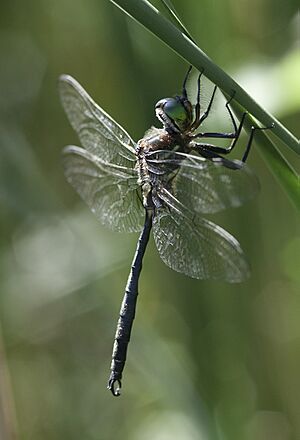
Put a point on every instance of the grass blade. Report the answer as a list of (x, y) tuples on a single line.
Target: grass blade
[(284, 173), (175, 18)]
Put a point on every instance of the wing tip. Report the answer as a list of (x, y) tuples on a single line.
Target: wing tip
[(65, 77)]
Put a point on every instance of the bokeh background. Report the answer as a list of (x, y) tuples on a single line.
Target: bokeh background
[(207, 360)]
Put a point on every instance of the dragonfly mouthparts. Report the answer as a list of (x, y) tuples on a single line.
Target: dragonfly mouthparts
[(167, 122)]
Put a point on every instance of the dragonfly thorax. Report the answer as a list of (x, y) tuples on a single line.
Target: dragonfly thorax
[(176, 113)]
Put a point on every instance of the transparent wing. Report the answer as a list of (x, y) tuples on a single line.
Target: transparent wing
[(193, 245), (97, 131), (204, 186), (110, 191)]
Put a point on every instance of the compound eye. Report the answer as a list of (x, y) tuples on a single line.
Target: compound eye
[(175, 110)]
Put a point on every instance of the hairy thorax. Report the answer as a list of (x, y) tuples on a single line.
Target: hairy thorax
[(156, 140)]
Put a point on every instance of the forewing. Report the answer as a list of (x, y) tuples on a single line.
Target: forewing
[(195, 246), (110, 191), (205, 186), (97, 131)]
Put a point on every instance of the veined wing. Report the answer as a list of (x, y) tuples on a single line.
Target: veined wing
[(193, 245), (111, 191), (97, 131), (204, 186)]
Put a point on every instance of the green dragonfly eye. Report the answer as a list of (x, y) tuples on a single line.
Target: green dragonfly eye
[(175, 110), (174, 113)]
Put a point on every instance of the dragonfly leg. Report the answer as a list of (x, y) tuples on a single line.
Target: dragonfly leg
[(237, 131), (234, 136), (184, 92), (196, 122), (250, 140), (208, 153), (233, 121), (206, 113)]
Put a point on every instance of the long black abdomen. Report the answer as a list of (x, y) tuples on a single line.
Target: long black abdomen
[(127, 312)]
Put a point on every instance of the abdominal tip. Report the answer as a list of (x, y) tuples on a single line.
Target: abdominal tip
[(114, 385)]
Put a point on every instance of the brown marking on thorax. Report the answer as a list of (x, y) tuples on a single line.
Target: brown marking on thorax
[(160, 141)]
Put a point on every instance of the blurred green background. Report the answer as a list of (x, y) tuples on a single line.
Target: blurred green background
[(206, 360)]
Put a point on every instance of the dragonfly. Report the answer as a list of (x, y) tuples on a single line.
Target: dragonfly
[(166, 182)]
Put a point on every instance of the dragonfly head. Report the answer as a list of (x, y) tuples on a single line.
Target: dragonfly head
[(176, 113)]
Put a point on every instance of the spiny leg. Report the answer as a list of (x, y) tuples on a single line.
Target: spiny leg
[(250, 140), (210, 151), (227, 105), (184, 92), (206, 151), (220, 135), (196, 122), (215, 151), (234, 136), (223, 150), (206, 113)]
